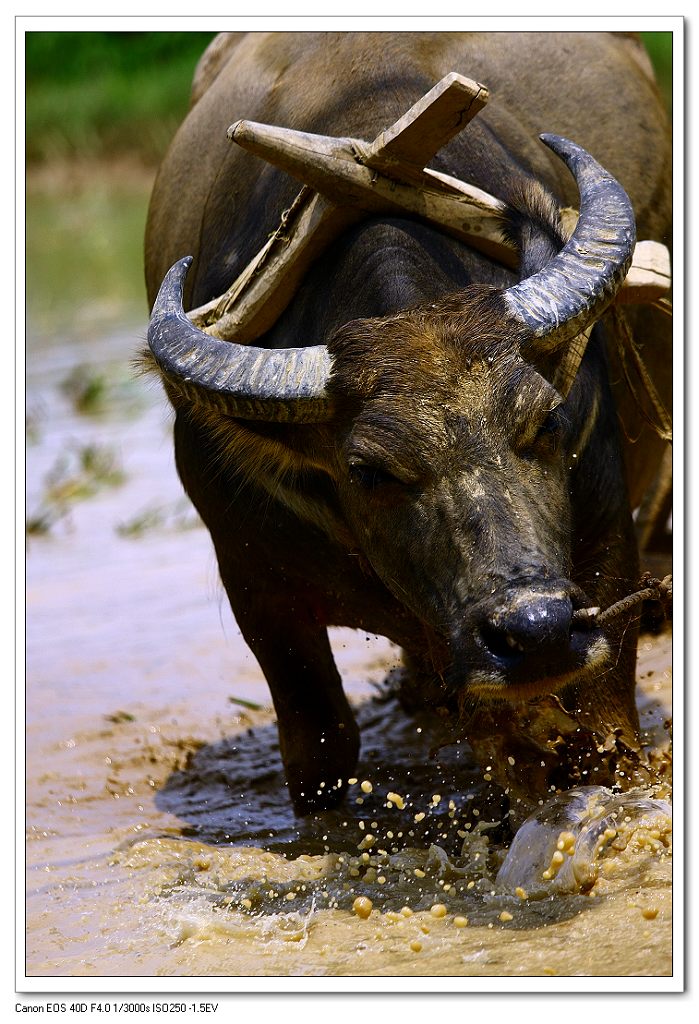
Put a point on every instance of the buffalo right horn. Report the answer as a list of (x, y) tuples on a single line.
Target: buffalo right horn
[(275, 385), (574, 289)]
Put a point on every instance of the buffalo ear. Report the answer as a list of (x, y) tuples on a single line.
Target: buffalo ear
[(532, 224), (560, 367), (568, 363), (272, 451)]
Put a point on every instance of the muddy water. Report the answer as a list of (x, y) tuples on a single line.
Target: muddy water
[(160, 842)]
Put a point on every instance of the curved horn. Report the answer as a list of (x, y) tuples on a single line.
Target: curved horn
[(276, 385), (575, 288)]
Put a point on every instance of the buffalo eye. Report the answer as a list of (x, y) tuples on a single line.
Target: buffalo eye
[(548, 435), (369, 477), (551, 424)]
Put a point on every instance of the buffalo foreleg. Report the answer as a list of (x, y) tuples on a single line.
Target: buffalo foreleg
[(318, 735)]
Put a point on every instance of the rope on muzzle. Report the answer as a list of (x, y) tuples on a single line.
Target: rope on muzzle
[(652, 589)]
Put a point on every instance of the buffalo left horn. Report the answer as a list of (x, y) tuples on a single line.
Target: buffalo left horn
[(276, 385), (574, 289)]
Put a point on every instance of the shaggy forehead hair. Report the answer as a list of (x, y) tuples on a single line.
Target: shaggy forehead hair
[(428, 346)]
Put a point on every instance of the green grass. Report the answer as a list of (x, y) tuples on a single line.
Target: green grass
[(659, 47), (91, 94)]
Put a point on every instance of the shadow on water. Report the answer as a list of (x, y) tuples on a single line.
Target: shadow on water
[(234, 791), (439, 839)]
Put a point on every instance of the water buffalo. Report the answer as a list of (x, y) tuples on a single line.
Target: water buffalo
[(405, 449)]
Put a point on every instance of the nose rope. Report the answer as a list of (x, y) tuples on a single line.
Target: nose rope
[(652, 589)]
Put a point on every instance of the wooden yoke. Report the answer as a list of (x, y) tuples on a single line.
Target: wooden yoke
[(347, 179), (342, 186)]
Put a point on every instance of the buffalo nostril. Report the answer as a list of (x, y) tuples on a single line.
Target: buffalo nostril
[(502, 645), (538, 625)]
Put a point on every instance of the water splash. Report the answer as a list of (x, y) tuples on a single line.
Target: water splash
[(561, 848)]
